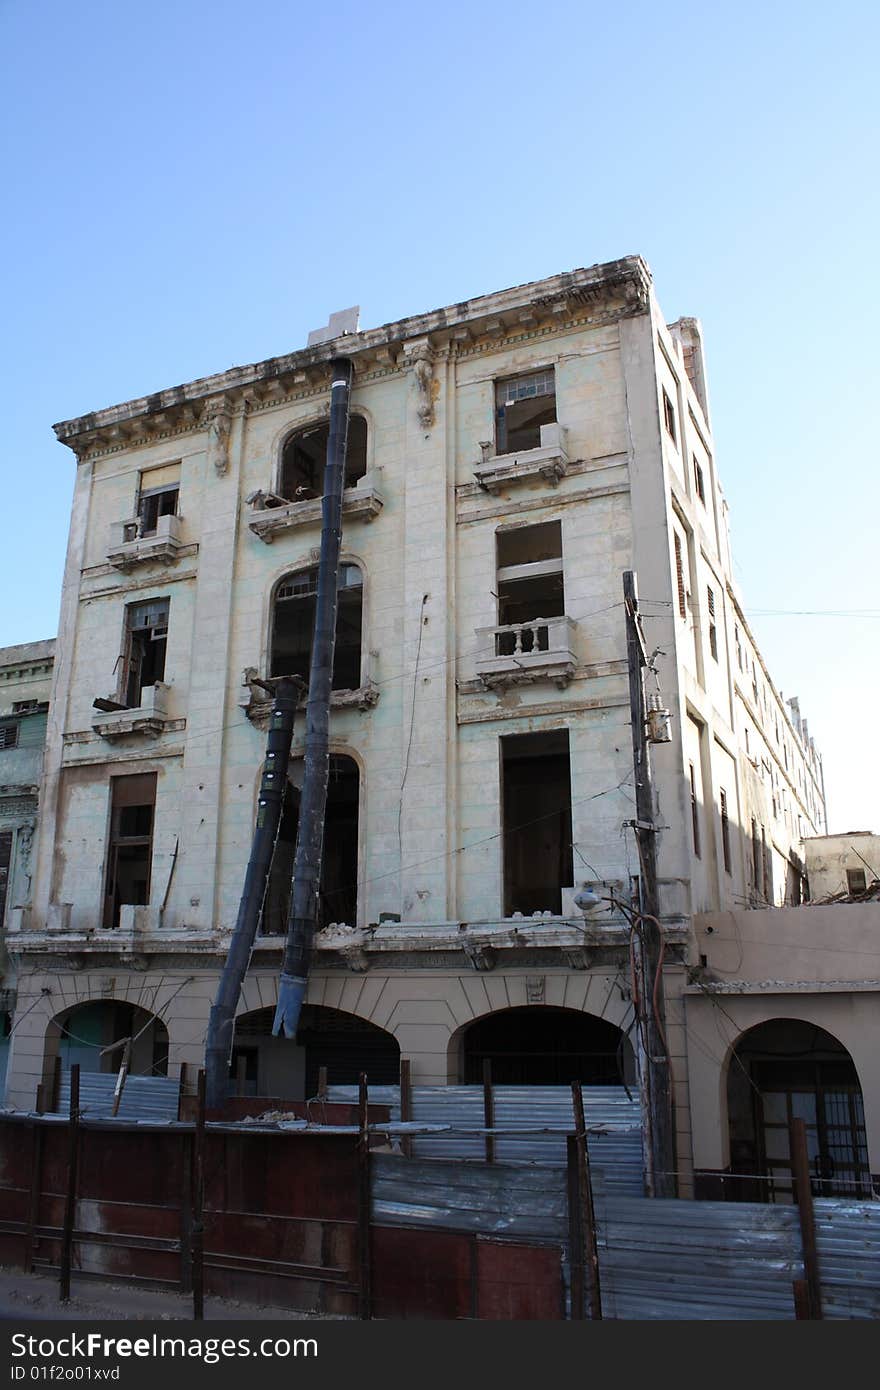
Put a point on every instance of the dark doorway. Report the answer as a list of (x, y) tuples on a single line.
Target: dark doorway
[(88, 1029), (536, 819), (339, 864), (546, 1046), (343, 1043), (305, 456), (787, 1069)]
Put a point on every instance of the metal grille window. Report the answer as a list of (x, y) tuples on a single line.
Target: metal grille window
[(522, 405), (725, 830), (679, 577), (856, 882), (8, 735)]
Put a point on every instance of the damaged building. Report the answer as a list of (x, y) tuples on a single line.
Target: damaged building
[(509, 458)]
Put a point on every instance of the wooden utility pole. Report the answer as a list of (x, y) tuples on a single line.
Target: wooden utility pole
[(657, 1089)]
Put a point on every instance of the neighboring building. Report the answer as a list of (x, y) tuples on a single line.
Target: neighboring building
[(843, 865), (25, 680), (509, 458)]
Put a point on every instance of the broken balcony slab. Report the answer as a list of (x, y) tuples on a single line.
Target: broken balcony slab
[(548, 463), (271, 516)]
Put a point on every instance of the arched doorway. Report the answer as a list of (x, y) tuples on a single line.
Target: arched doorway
[(83, 1034), (547, 1046), (343, 1043), (788, 1069), (337, 901)]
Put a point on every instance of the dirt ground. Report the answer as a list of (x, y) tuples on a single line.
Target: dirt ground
[(35, 1296)]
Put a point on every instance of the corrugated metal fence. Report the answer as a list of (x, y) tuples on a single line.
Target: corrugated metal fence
[(616, 1155), (143, 1097), (658, 1259)]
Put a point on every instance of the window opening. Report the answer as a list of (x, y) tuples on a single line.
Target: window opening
[(132, 804), (698, 480), (725, 831), (293, 626), (536, 821), (530, 584), (337, 900), (522, 405), (146, 641), (669, 418), (695, 812), (713, 631), (856, 882), (155, 502), (304, 457), (8, 735), (679, 577)]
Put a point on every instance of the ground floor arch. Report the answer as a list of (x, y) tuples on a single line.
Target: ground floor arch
[(784, 1069), (342, 1042), (92, 1034), (543, 1045)]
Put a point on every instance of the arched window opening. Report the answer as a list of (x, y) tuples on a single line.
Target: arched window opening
[(87, 1030), (547, 1046), (293, 626), (788, 1069), (343, 1043), (305, 455), (339, 863)]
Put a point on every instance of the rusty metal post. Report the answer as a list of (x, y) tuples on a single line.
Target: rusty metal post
[(40, 1102), (70, 1198), (575, 1231), (34, 1208), (405, 1105), (801, 1292), (587, 1210), (488, 1109), (803, 1192), (56, 1084), (186, 1212), (197, 1237), (121, 1077), (365, 1273)]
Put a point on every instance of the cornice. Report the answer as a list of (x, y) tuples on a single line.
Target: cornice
[(615, 290)]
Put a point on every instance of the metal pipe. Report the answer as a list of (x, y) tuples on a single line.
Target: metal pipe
[(218, 1049), (302, 920)]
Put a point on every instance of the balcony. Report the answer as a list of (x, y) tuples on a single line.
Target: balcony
[(539, 650), (271, 515), (549, 462), (128, 547), (149, 718)]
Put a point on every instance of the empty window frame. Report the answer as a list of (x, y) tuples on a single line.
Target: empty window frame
[(337, 901), (669, 418), (713, 631), (146, 638), (5, 862), (680, 580), (757, 866), (293, 626), (529, 582), (522, 405), (856, 881), (695, 812), (304, 457), (157, 496), (725, 830), (699, 482), (738, 644), (130, 850), (536, 821), (9, 735)]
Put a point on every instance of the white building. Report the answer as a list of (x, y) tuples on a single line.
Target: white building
[(509, 458)]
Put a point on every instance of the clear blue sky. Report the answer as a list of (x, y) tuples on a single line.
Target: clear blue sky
[(195, 185)]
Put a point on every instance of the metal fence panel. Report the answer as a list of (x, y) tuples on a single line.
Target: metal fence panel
[(848, 1242), (143, 1097)]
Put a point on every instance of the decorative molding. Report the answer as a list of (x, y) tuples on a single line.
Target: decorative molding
[(218, 419), (419, 357)]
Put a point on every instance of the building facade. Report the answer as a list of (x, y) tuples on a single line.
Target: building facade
[(509, 458)]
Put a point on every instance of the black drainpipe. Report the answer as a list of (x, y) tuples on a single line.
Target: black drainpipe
[(218, 1047), (303, 917)]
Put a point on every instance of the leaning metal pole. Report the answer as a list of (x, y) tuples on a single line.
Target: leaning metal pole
[(316, 771), (218, 1050)]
